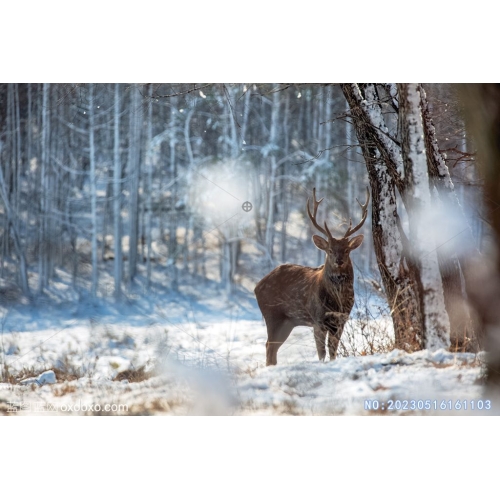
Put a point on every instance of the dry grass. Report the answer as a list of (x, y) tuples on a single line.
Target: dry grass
[(63, 389), (9, 377), (63, 374), (288, 407), (156, 406), (365, 333), (135, 374), (464, 344)]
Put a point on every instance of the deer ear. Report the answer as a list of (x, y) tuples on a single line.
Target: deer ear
[(320, 242), (355, 242)]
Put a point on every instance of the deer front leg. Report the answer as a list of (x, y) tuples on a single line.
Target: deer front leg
[(335, 327), (320, 339), (333, 341)]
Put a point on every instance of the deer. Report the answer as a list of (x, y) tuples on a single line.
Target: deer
[(320, 297)]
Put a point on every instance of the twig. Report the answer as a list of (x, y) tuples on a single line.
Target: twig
[(182, 93)]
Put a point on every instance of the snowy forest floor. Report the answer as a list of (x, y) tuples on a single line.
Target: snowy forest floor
[(199, 354)]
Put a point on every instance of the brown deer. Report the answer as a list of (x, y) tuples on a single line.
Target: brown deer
[(321, 297)]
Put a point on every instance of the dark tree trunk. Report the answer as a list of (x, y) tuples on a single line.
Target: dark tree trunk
[(482, 106), (397, 272)]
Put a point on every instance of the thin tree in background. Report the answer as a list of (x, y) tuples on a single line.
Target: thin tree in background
[(43, 250), (173, 219), (12, 223), (133, 172), (270, 152), (93, 191), (117, 193), (149, 191)]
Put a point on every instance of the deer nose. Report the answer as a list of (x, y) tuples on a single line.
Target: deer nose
[(339, 261)]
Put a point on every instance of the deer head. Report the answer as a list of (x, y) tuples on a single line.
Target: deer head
[(337, 249)]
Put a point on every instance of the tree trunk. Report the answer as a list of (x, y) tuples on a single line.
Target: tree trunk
[(149, 193), (44, 194), (133, 173), (482, 106), (117, 193), (272, 176), (93, 192), (23, 269), (173, 219), (465, 330), (398, 275), (436, 325)]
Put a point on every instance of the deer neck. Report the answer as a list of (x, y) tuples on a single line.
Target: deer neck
[(338, 277)]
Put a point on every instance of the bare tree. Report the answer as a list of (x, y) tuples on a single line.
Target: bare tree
[(93, 190), (390, 243), (436, 322), (464, 328), (43, 250), (133, 171), (117, 193), (23, 272)]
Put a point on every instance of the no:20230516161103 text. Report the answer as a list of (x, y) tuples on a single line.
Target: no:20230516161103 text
[(427, 404)]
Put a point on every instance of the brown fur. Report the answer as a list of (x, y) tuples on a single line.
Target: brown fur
[(321, 297)]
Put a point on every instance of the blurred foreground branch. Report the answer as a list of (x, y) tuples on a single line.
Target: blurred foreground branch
[(482, 110)]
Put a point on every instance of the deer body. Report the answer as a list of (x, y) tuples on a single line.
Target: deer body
[(292, 295)]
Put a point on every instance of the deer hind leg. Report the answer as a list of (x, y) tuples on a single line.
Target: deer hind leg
[(320, 339), (277, 333)]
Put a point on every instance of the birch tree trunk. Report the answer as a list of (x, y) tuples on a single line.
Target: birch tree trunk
[(149, 192), (42, 242), (397, 273), (436, 325), (272, 177), (189, 232), (133, 174), (117, 192), (283, 182), (23, 269), (152, 158), (93, 191), (246, 112), (173, 219), (465, 330), (235, 148), (18, 163)]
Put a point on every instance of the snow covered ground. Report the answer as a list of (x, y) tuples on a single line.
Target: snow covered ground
[(177, 358)]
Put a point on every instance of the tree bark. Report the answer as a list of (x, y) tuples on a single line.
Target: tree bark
[(93, 192), (465, 330), (42, 245), (173, 218), (436, 325), (272, 175), (23, 268), (117, 193), (134, 175), (396, 270)]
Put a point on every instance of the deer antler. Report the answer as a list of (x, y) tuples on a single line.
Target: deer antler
[(312, 216), (364, 207)]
